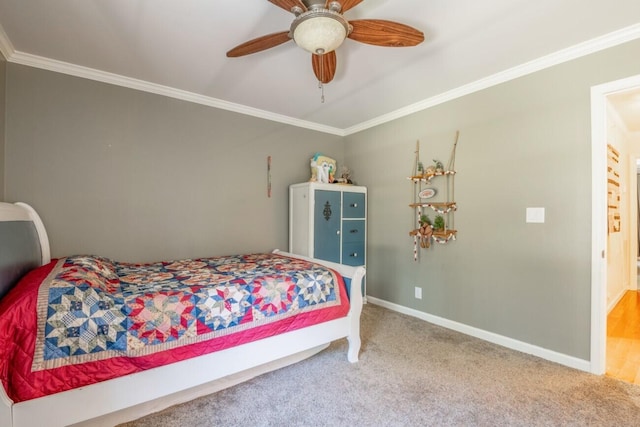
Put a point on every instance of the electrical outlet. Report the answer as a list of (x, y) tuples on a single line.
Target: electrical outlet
[(418, 293)]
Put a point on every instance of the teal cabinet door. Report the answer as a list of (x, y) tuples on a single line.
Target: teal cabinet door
[(327, 211)]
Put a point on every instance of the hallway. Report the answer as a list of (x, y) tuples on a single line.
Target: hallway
[(623, 339)]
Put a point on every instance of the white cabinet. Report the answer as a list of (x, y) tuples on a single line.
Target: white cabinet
[(329, 222)]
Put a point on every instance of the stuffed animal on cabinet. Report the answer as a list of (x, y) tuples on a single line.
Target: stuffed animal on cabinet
[(323, 169)]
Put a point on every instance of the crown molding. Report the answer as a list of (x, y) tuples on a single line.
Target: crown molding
[(6, 47), (585, 48), (115, 79)]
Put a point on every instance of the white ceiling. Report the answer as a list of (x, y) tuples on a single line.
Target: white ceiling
[(178, 47)]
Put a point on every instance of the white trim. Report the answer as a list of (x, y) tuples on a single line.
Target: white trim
[(11, 212), (633, 212), (553, 356), (131, 83), (599, 217), (598, 237), (616, 300), (6, 47), (45, 250), (23, 212), (585, 48)]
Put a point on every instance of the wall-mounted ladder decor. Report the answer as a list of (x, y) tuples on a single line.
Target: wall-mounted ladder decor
[(442, 228)]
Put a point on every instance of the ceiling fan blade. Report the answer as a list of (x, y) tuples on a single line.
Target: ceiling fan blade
[(289, 4), (348, 4), (385, 33), (259, 44), (324, 66)]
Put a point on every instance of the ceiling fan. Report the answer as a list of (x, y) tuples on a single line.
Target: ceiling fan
[(319, 27)]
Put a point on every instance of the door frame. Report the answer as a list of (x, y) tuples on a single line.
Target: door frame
[(599, 217)]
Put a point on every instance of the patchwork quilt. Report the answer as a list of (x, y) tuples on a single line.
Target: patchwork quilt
[(82, 319)]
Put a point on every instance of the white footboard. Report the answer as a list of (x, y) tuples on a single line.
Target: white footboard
[(356, 299)]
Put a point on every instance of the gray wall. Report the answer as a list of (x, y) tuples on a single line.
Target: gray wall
[(136, 176), (525, 143), (3, 73)]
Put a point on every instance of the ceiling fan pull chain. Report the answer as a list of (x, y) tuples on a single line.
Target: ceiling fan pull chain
[(321, 87), (320, 84)]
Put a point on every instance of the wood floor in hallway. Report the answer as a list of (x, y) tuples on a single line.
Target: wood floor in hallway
[(623, 339)]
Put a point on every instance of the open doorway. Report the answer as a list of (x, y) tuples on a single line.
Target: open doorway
[(611, 251), (623, 300)]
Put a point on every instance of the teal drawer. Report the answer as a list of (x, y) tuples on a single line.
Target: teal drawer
[(353, 231), (353, 253), (353, 205)]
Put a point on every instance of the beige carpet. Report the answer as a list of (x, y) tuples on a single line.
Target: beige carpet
[(412, 373)]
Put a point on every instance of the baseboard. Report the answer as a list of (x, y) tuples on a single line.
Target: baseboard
[(523, 347), (616, 300)]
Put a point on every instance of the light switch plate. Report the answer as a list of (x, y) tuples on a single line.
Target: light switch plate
[(535, 215)]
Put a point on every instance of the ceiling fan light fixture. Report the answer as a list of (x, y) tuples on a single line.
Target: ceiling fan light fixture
[(320, 28), (319, 31)]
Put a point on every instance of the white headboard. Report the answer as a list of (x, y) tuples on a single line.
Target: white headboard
[(24, 244)]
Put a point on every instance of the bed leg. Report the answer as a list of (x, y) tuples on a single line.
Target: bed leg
[(354, 348), (6, 409), (356, 302)]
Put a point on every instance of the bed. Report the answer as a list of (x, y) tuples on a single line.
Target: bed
[(85, 339)]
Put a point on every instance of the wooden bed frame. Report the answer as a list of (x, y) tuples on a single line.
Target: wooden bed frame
[(133, 396)]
